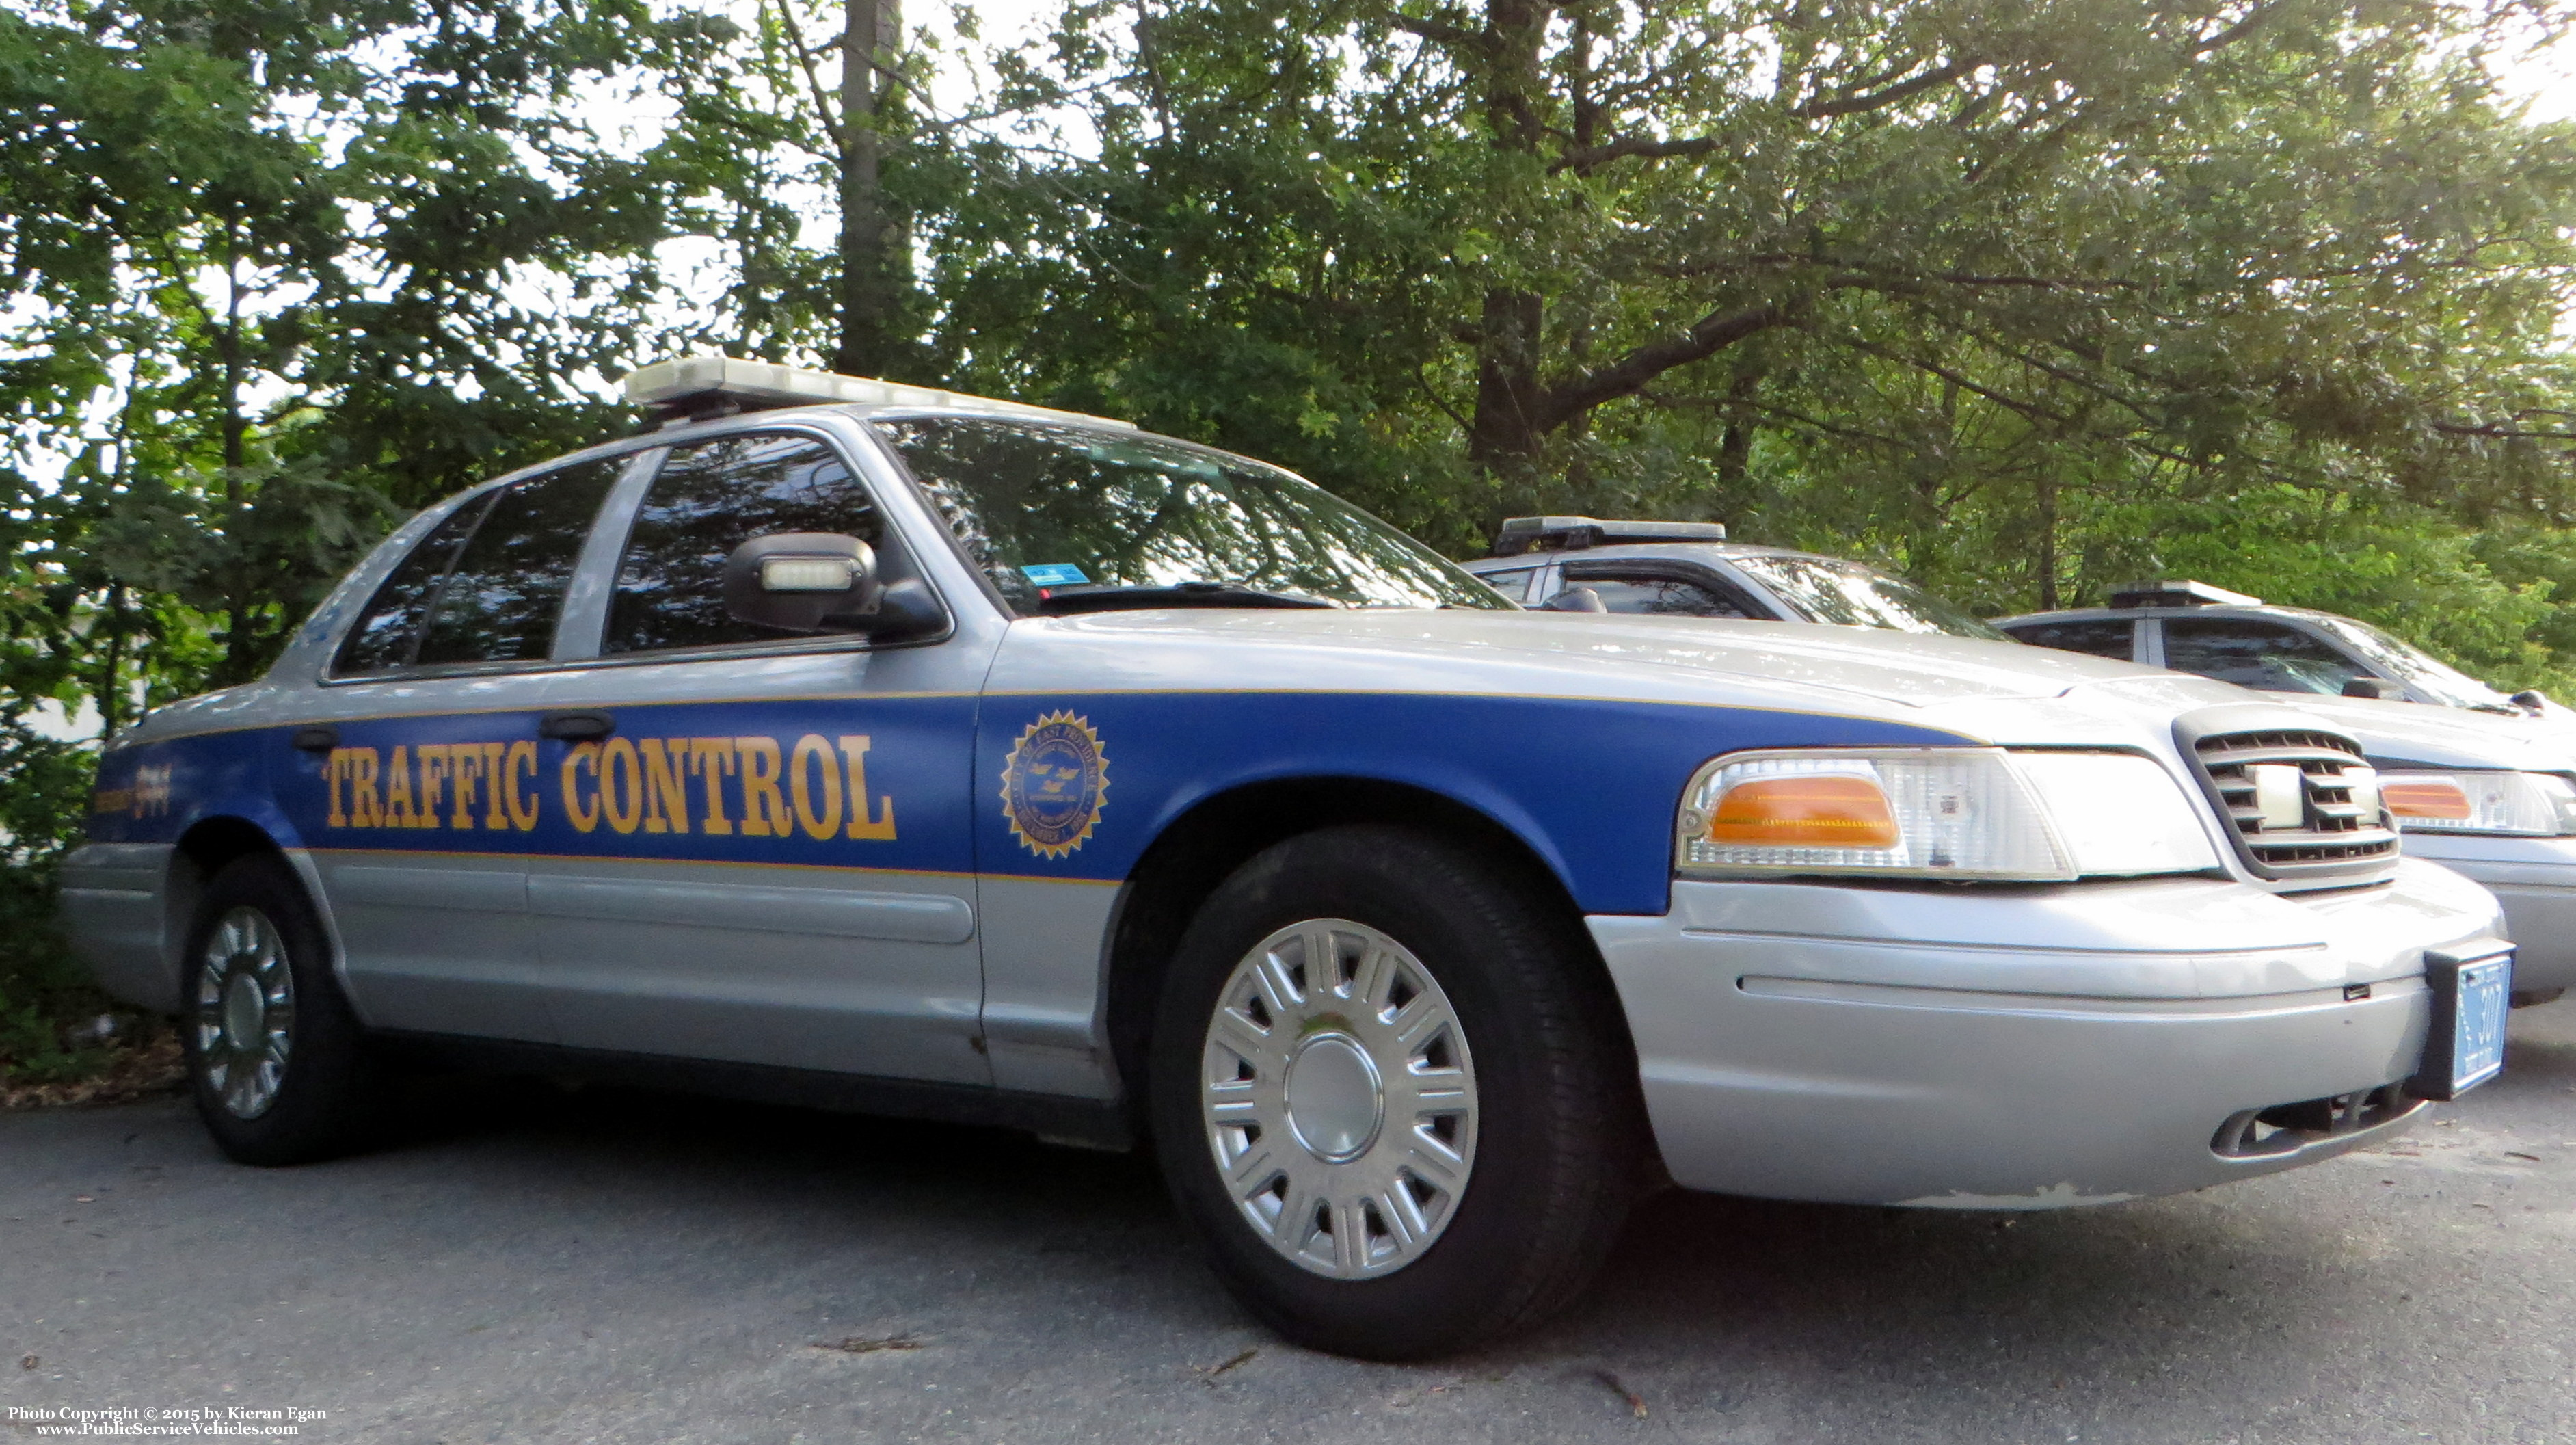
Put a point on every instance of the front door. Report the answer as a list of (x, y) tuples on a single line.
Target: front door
[(769, 855)]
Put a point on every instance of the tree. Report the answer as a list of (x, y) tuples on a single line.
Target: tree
[(269, 294), (1662, 253)]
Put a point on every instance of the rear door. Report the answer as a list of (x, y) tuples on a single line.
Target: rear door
[(416, 785), (767, 849)]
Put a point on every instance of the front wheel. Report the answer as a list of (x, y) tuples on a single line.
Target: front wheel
[(276, 1058), (1392, 1095)]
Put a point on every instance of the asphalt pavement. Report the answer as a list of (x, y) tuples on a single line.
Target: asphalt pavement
[(528, 1264)]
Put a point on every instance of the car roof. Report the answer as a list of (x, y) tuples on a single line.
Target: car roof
[(1650, 551), (2125, 614)]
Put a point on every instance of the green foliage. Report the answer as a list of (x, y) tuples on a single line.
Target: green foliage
[(2007, 301), (41, 810)]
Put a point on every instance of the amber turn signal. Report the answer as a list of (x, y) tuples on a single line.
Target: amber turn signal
[(1814, 810), (2424, 798)]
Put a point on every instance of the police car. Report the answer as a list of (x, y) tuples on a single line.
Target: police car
[(2191, 626), (896, 750), (2486, 783), (2486, 786), (1689, 569)]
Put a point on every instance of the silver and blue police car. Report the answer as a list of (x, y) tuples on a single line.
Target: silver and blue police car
[(896, 750)]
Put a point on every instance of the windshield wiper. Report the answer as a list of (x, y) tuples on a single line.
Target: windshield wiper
[(1113, 597)]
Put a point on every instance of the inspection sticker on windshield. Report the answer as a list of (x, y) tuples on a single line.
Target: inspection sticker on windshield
[(1054, 574)]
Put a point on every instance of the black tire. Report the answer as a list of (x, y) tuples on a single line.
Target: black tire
[(326, 1096), (1561, 1125)]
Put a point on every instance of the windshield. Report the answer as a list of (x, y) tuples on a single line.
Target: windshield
[(1066, 519), (2414, 667), (1851, 594)]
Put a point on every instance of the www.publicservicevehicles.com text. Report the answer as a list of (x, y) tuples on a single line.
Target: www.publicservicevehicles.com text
[(213, 1422)]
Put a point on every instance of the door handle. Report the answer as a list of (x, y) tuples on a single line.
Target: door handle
[(576, 726), (318, 738)]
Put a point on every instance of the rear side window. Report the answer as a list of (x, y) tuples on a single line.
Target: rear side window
[(385, 632), (709, 499), (501, 600), (1514, 584), (2101, 637), (2265, 656)]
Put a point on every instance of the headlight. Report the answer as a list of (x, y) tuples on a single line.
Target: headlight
[(1968, 813), (2533, 805)]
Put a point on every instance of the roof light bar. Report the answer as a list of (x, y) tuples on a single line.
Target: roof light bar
[(2179, 594), (1570, 534), (696, 385)]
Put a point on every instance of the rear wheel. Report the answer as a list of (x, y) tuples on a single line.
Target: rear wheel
[(1391, 1095), (276, 1058)]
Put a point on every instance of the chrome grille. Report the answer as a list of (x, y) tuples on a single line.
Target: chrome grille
[(2304, 803)]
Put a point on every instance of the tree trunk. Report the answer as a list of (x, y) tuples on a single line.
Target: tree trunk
[(241, 657), (1735, 447), (2047, 560), (875, 251), (1507, 431), (111, 688), (1506, 435)]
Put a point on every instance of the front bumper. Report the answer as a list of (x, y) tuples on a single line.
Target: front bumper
[(2020, 1048), (2535, 880)]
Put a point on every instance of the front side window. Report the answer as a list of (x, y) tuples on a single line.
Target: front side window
[(2265, 656), (2102, 637), (1072, 519), (1851, 594), (709, 499), (2417, 668), (1653, 596), (501, 600)]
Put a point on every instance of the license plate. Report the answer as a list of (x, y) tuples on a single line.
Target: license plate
[(2465, 1045)]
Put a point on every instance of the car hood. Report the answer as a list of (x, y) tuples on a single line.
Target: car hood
[(1981, 688), (2447, 737)]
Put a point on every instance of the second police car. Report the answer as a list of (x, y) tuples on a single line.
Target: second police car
[(2481, 783), (899, 750)]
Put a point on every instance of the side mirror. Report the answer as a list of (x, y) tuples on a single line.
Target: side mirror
[(2533, 702), (1574, 599), (2373, 687), (816, 582)]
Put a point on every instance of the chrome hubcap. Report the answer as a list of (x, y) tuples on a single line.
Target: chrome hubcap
[(245, 1013), (1340, 1099), (1336, 1101)]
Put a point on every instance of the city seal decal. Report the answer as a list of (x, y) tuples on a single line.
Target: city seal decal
[(1052, 784)]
